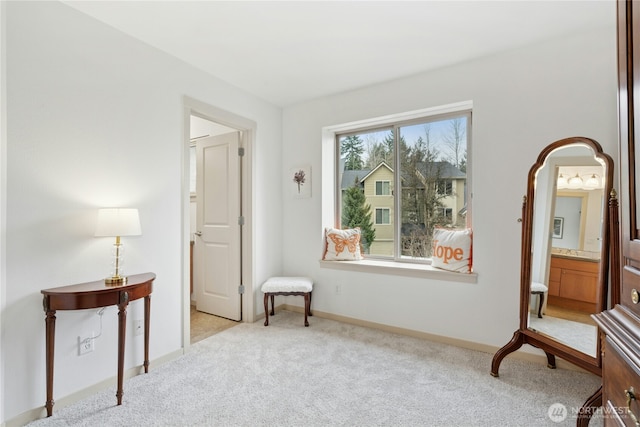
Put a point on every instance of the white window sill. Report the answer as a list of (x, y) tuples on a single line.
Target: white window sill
[(423, 271)]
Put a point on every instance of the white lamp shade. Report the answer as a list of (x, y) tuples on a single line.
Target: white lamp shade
[(592, 182), (114, 222), (562, 181)]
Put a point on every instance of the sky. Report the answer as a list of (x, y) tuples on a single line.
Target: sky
[(411, 133)]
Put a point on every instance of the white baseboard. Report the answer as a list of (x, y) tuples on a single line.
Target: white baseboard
[(470, 345), (41, 412)]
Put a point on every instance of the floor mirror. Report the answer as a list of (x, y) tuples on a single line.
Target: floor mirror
[(566, 230)]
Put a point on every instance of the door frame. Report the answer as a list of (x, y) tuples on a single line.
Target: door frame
[(194, 107)]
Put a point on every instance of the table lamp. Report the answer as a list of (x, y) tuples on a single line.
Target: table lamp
[(117, 222)]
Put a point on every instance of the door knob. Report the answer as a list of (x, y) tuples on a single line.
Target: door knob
[(198, 233)]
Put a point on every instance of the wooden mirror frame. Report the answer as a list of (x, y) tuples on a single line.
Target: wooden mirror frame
[(524, 335)]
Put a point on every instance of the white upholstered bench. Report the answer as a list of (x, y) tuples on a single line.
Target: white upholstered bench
[(287, 286)]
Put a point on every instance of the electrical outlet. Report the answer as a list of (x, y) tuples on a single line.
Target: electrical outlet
[(138, 328), (339, 289), (86, 344)]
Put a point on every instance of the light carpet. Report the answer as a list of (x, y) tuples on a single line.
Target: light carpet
[(578, 335), (333, 374)]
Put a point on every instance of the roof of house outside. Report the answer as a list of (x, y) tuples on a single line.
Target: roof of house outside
[(445, 171), (350, 177), (380, 165)]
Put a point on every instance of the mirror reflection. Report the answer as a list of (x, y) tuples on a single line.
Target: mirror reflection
[(566, 251)]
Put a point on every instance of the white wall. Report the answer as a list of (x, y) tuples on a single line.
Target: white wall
[(3, 184), (522, 101), (95, 119)]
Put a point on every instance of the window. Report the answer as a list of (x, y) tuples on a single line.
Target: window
[(444, 187), (382, 188), (447, 213), (425, 160), (382, 216)]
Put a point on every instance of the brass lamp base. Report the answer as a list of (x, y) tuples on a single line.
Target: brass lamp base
[(115, 281)]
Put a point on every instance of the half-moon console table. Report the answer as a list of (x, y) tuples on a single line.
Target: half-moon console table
[(93, 295)]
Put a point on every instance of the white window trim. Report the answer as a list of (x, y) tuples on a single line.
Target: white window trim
[(422, 271), (329, 198)]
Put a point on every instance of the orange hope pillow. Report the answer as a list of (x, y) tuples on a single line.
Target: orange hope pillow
[(452, 250)]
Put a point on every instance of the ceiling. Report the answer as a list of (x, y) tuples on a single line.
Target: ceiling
[(288, 52)]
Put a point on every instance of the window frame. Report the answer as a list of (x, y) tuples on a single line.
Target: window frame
[(395, 128), (330, 198)]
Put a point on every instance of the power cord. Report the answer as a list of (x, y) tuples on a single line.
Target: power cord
[(100, 312)]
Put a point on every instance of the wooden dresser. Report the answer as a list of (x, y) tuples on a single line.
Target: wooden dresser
[(620, 325)]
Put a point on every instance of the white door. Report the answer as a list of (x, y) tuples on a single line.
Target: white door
[(217, 262)]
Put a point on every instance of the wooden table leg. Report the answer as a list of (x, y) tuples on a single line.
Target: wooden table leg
[(122, 331), (147, 315), (50, 335)]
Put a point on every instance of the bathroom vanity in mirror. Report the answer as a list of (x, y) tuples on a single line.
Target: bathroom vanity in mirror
[(573, 283)]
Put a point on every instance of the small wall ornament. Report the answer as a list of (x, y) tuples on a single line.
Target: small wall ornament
[(300, 179)]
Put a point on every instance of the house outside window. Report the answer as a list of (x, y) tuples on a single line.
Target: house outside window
[(425, 161)]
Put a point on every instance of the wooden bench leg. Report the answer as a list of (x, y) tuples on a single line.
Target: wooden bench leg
[(271, 295), (307, 307), (266, 309), (540, 304)]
